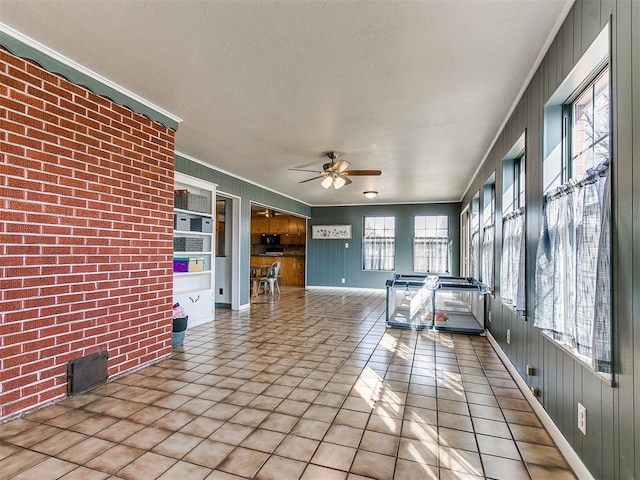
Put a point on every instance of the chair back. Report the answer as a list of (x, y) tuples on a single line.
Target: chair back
[(274, 270)]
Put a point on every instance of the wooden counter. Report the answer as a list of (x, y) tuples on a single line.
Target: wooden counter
[(291, 270)]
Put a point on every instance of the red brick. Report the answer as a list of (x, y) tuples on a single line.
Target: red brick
[(88, 206)]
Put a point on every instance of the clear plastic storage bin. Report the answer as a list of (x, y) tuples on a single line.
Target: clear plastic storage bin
[(409, 301), (450, 304)]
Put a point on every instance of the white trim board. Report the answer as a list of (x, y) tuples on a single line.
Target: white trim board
[(569, 453)]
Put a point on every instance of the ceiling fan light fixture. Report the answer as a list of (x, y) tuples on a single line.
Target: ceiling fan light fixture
[(338, 182), (326, 183), (370, 194)]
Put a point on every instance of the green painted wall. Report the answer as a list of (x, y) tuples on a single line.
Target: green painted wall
[(328, 261), (611, 448)]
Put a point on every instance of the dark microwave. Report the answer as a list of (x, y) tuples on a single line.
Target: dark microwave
[(270, 239)]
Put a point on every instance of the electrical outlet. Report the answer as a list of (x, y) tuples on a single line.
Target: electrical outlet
[(508, 337), (342, 280), (582, 418), (221, 290), (489, 316), (346, 244)]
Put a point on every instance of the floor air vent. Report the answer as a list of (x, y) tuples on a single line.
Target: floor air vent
[(86, 372)]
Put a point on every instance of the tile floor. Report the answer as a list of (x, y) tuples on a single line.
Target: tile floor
[(309, 385)]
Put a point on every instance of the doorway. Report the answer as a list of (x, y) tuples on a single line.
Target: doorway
[(227, 251), (278, 236)]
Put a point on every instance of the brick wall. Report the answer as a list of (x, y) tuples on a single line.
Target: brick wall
[(85, 234)]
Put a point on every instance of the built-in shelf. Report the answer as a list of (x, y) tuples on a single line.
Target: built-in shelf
[(194, 290)]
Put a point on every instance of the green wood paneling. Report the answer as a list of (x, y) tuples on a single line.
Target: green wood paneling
[(328, 260), (611, 448)]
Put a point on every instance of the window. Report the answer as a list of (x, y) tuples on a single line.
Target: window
[(379, 243), (475, 236), (589, 126), (512, 271), (488, 232), (573, 261), (431, 244)]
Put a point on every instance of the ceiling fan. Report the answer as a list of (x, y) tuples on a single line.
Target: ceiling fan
[(336, 173)]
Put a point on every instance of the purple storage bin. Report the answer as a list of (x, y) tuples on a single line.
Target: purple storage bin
[(180, 264)]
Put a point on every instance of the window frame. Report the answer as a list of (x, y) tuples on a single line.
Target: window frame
[(568, 120), (447, 237), (365, 238)]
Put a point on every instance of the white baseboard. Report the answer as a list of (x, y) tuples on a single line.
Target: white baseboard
[(337, 287), (569, 453)]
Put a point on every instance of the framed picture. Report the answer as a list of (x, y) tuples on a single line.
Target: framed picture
[(328, 232)]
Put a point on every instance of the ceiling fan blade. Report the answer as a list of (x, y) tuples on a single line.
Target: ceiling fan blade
[(347, 180), (313, 178), (304, 170), (340, 166), (360, 173)]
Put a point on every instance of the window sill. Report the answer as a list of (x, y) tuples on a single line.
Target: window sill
[(604, 377), (517, 313)]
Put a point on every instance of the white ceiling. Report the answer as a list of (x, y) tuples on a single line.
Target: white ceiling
[(416, 89)]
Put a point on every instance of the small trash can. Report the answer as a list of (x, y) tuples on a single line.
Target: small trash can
[(179, 328)]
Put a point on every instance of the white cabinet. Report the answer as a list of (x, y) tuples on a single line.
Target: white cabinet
[(194, 247)]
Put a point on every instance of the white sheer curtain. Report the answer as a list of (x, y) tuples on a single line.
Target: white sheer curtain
[(379, 253), (573, 267), (488, 236), (475, 254), (512, 277), (431, 255)]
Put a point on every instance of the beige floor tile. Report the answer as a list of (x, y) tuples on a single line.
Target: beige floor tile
[(310, 429), (83, 473), (251, 417), (231, 433), (202, 427), (297, 448), (539, 472), (373, 465), (243, 462), (263, 440), (112, 460), (418, 451), (344, 435), (222, 411), (58, 442), (85, 450), (462, 461), (177, 445), (407, 470), (185, 470), (147, 467), (333, 456), (500, 468), (499, 447), (119, 431), (542, 455), (379, 443), (528, 434), (457, 439), (316, 472), (278, 468), (325, 392), (50, 468), (209, 453)]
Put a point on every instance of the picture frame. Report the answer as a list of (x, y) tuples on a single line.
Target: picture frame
[(330, 232)]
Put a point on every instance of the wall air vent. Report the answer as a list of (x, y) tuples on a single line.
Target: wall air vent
[(86, 372)]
